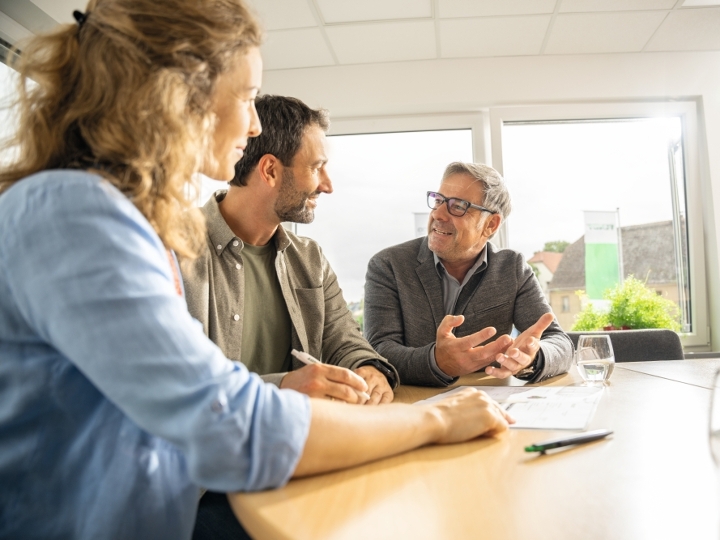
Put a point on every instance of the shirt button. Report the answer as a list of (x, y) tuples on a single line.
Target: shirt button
[(238, 266), (236, 243), (219, 246), (236, 317)]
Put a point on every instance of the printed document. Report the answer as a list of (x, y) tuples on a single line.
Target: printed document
[(546, 407)]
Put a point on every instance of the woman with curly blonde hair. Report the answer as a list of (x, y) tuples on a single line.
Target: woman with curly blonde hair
[(115, 408)]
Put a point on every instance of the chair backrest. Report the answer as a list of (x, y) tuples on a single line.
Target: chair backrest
[(640, 345)]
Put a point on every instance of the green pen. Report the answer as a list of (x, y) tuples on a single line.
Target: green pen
[(567, 441)]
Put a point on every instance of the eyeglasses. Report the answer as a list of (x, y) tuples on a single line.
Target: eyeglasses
[(456, 207)]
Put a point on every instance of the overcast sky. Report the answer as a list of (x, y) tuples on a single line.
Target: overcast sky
[(554, 172)]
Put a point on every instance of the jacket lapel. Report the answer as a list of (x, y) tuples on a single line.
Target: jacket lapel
[(430, 281)]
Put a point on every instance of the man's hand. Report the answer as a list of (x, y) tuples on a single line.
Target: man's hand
[(327, 381), (523, 350), (378, 387), (460, 356)]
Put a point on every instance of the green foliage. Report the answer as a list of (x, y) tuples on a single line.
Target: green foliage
[(556, 246), (360, 319), (637, 306), (535, 269), (589, 319), (632, 305), (357, 309)]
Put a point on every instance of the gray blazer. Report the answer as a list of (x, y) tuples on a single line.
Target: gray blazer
[(404, 307)]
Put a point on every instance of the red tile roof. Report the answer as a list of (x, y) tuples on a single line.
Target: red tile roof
[(548, 258)]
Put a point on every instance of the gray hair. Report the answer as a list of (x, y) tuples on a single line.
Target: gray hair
[(495, 194)]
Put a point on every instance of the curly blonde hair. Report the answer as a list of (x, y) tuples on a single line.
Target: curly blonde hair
[(128, 93)]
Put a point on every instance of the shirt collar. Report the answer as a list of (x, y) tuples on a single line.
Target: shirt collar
[(221, 234), (480, 264)]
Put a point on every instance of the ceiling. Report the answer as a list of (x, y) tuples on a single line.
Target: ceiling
[(310, 33)]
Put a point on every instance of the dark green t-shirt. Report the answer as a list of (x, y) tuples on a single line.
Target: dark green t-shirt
[(266, 322)]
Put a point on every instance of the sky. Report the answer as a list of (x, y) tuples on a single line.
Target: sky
[(554, 172)]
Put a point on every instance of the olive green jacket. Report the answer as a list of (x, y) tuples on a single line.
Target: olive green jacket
[(322, 325)]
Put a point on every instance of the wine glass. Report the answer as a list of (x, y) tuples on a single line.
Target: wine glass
[(595, 359)]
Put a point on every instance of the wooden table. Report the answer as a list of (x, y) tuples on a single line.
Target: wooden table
[(654, 479)]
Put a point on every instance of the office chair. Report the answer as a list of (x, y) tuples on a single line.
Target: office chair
[(640, 345)]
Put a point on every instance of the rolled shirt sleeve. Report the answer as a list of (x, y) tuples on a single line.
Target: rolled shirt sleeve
[(90, 276)]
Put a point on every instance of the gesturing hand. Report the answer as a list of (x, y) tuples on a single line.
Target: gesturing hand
[(460, 356), (326, 381), (522, 351)]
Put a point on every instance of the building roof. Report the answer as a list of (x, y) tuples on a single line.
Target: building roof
[(648, 253), (550, 259)]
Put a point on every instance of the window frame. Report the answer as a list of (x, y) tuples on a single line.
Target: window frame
[(476, 121), (687, 111)]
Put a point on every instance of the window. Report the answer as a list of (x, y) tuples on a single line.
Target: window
[(565, 304), (379, 183), (638, 161)]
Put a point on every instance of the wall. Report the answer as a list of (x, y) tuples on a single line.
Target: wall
[(466, 85)]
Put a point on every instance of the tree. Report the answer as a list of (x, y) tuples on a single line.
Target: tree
[(556, 246)]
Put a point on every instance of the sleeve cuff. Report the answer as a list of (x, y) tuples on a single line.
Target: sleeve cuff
[(439, 373), (390, 373), (533, 372), (274, 378)]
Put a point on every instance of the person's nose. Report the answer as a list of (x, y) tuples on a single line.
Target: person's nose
[(440, 213), (255, 126), (325, 182)]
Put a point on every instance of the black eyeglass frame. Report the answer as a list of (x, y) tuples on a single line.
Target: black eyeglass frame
[(446, 200)]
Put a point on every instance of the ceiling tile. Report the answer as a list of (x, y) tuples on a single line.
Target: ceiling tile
[(602, 32), (383, 42), (506, 36), (581, 6), (284, 14), (336, 11), (688, 30), (483, 8), (298, 48)]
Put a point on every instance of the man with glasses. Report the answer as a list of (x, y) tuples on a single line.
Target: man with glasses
[(443, 306)]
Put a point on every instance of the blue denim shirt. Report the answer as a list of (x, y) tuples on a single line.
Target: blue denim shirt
[(114, 406)]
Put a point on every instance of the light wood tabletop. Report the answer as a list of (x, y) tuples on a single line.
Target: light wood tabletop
[(653, 479), (699, 372)]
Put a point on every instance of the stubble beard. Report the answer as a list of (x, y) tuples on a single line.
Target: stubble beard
[(291, 204)]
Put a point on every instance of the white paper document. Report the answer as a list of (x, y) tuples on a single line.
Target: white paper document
[(547, 407)]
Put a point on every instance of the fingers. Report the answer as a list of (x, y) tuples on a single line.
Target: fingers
[(343, 392), (378, 387), (540, 326), (498, 373), (447, 324), (344, 376), (330, 382), (473, 340)]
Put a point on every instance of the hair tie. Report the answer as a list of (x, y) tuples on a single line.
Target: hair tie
[(80, 17)]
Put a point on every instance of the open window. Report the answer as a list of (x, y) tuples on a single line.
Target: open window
[(637, 160)]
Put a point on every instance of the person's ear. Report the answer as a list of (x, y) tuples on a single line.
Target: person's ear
[(492, 225), (270, 170)]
